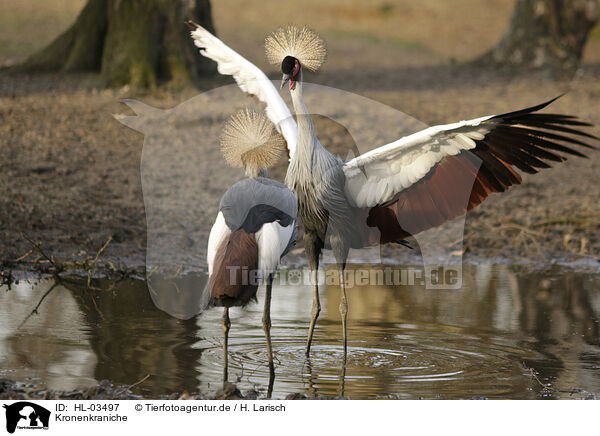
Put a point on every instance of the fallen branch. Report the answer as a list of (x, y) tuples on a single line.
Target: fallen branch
[(139, 382), (92, 269), (57, 268), (47, 264), (24, 256)]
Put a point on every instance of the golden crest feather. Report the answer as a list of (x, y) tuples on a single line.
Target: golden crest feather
[(249, 140), (301, 43)]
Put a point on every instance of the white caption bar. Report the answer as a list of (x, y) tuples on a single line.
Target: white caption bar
[(89, 418)]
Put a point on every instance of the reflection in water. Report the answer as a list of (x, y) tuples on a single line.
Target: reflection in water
[(53, 347), (508, 333)]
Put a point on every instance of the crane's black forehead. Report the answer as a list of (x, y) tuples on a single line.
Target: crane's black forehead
[(288, 64)]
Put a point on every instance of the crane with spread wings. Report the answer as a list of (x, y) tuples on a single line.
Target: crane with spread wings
[(399, 189)]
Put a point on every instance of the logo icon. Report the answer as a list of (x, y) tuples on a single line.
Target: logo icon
[(26, 415)]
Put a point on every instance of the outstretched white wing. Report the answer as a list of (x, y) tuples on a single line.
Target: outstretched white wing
[(522, 139), (251, 80), (375, 177)]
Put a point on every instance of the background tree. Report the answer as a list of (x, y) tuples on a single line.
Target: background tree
[(137, 42), (546, 34)]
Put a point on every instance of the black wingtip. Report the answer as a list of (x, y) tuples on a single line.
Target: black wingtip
[(529, 110), (548, 103)]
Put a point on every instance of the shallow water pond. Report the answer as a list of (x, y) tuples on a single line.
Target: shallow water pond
[(508, 332)]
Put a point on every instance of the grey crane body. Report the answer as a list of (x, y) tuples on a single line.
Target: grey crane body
[(247, 209), (317, 178)]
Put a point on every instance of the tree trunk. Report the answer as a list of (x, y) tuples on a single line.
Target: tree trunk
[(545, 34), (137, 42)]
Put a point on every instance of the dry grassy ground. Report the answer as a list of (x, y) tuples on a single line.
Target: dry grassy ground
[(70, 173)]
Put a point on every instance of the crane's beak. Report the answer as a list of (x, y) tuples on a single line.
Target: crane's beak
[(284, 80)]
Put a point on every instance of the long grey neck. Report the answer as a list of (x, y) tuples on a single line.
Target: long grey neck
[(307, 139)]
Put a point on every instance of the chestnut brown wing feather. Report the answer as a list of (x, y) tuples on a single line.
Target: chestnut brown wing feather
[(231, 283)]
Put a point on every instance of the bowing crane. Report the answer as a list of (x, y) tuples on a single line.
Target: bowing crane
[(399, 189), (256, 225)]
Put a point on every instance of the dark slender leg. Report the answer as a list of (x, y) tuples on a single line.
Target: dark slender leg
[(343, 379), (226, 325), (266, 321), (340, 249), (344, 309), (316, 309), (313, 251), (271, 383)]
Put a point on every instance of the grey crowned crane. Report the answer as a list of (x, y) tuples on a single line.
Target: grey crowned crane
[(256, 225), (399, 189)]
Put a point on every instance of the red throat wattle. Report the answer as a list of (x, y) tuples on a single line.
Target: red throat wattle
[(294, 74)]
